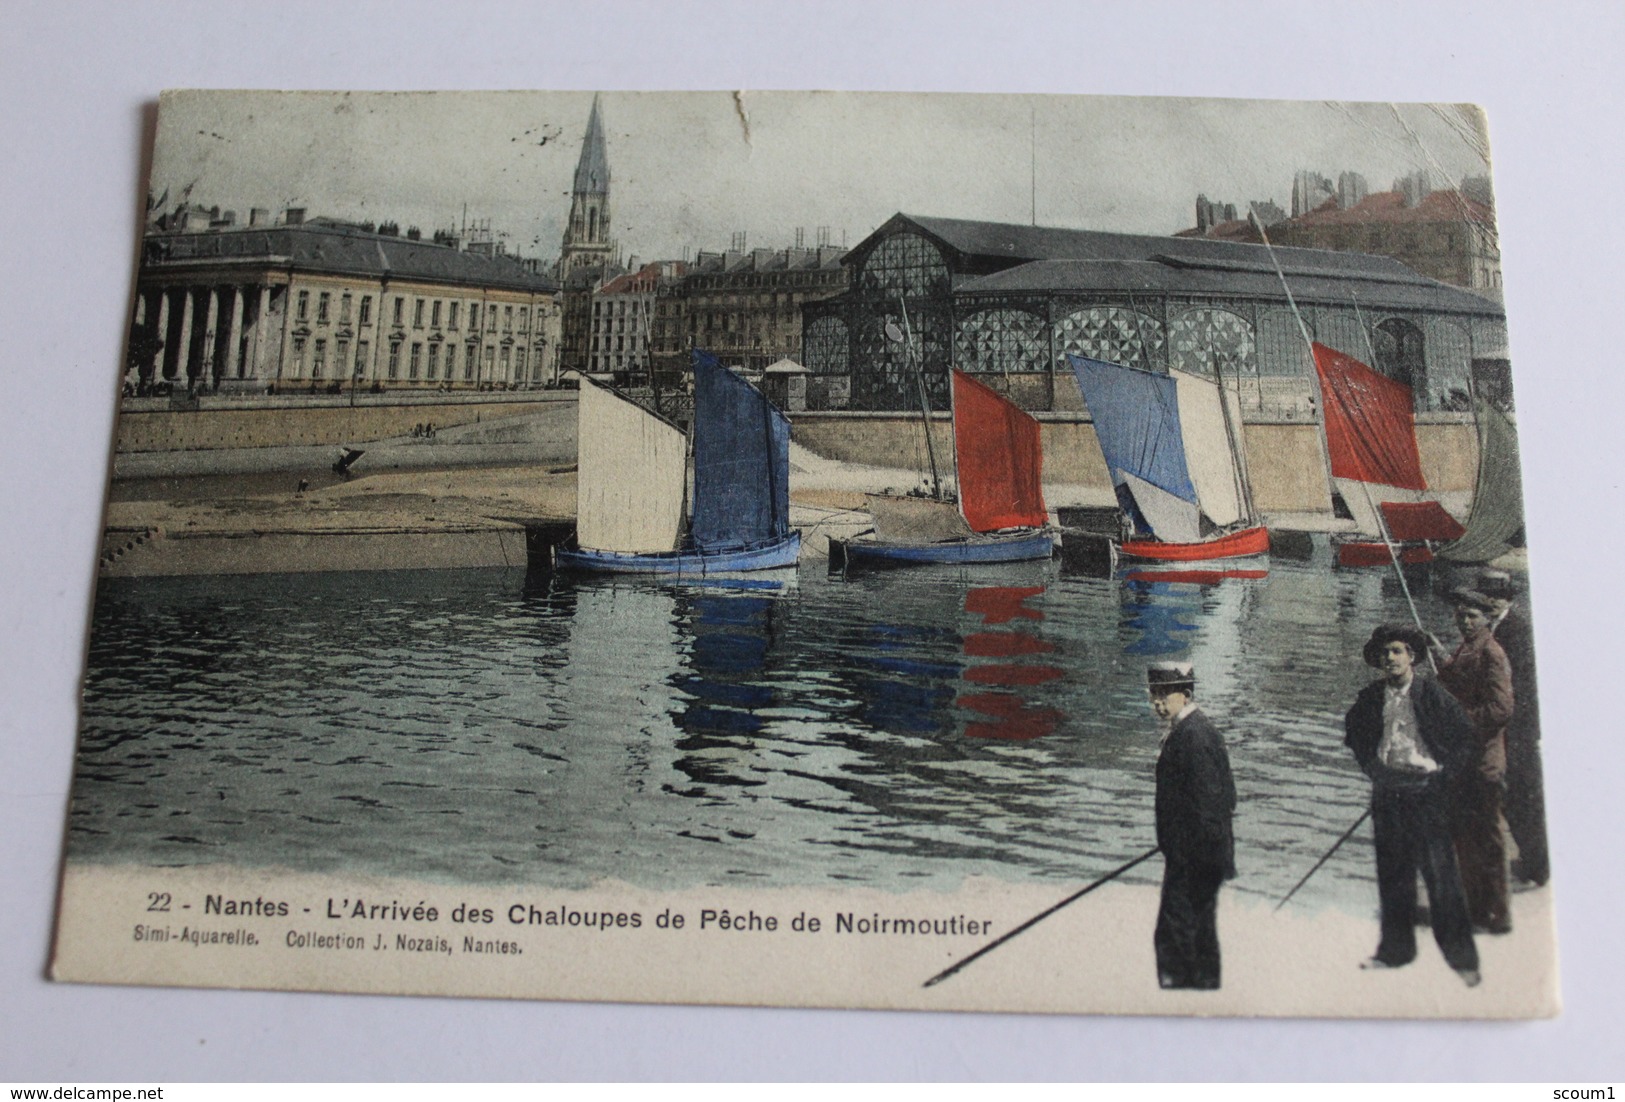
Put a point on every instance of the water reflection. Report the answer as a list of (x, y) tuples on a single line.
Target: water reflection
[(891, 729)]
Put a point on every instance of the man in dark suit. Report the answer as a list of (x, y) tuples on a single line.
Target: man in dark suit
[(1196, 799), (1525, 787), (1412, 739)]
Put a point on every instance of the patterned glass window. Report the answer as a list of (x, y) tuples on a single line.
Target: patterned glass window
[(1001, 341), (1111, 333), (1200, 340), (1449, 365), (1400, 355), (1341, 329), (827, 349), (904, 264), (1281, 349), (892, 370)]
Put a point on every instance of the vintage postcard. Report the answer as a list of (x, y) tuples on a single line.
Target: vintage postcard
[(1003, 553)]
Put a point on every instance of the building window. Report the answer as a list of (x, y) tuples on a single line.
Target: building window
[(303, 311), (400, 310), (1205, 342), (318, 363), (434, 361), (395, 358), (1399, 356), (366, 309), (417, 313), (474, 316), (1110, 333), (491, 318), (451, 315), (362, 348), (434, 316), (344, 307), (323, 301), (507, 319), (298, 356), (504, 359), (451, 358), (415, 362), (490, 362), (470, 361), (523, 318), (518, 364), (342, 363), (903, 264)]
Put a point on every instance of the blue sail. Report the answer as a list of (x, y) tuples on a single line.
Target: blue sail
[(1136, 416), (741, 462)]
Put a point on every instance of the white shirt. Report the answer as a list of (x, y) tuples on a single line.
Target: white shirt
[(1401, 748)]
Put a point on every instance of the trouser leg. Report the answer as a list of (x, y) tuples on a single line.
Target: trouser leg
[(1187, 934), (1452, 925), (1526, 805), (1481, 851), (1396, 877)]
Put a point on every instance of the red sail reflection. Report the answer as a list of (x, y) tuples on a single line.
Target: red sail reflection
[(1012, 718), (1008, 715), (1193, 577)]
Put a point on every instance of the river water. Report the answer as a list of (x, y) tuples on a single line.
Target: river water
[(895, 730)]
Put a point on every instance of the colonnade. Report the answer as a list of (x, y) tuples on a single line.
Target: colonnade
[(203, 336)]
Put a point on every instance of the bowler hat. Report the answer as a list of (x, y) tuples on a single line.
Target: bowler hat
[(1497, 584), (1170, 675), (1393, 633)]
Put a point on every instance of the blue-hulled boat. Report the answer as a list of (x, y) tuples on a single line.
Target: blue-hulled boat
[(632, 513), (1000, 515)]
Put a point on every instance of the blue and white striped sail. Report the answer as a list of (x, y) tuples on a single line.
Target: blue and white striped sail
[(741, 462)]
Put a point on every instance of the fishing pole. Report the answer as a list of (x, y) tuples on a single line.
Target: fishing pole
[(1039, 917), (1347, 834)]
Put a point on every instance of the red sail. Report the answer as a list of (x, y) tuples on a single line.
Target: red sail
[(1420, 520), (1000, 460), (1370, 428)]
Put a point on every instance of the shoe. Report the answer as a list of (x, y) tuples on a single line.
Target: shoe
[(1470, 976)]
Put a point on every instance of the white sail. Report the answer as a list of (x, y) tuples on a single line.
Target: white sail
[(916, 519), (1173, 519), (1210, 455), (630, 470)]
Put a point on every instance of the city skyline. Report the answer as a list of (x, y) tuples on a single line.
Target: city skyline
[(767, 163)]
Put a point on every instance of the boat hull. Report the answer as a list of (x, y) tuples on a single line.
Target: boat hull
[(1016, 547), (686, 563), (1376, 553), (1248, 541)]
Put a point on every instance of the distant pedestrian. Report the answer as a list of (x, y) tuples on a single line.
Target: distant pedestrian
[(1196, 799), (1480, 678), (1412, 739), (1525, 794)]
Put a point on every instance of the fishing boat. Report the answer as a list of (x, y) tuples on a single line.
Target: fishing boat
[(1370, 428), (1171, 443), (1000, 514), (633, 515), (1496, 520)]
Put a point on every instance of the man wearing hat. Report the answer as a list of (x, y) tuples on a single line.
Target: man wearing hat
[(1525, 795), (1479, 677), (1412, 739), (1196, 798)]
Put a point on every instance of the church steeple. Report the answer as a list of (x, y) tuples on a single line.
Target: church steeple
[(586, 235)]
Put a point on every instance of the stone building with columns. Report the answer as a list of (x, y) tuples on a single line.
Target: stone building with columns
[(320, 306)]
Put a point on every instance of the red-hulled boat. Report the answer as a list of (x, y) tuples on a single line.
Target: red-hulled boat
[(1171, 444)]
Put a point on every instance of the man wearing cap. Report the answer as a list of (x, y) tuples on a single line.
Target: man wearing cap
[(1479, 677), (1196, 798), (1411, 738), (1525, 791)]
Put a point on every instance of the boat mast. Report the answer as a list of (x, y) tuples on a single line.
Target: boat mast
[(906, 336), (1238, 458)]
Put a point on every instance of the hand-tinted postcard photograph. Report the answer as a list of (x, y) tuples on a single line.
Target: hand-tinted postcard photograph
[(956, 552)]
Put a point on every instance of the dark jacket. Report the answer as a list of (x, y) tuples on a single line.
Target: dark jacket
[(1196, 797), (1441, 723), (1518, 641)]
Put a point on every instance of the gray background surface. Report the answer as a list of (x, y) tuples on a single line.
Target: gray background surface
[(78, 83)]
